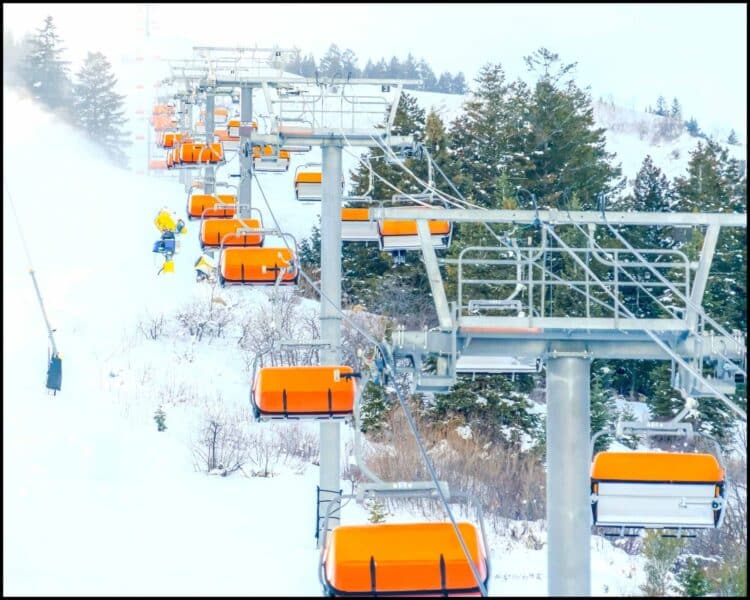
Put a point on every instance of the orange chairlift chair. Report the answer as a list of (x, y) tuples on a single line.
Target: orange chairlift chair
[(308, 183), (232, 138), (270, 161), (234, 232), (254, 265), (635, 490), (356, 225), (401, 559), (401, 234), (303, 392), (215, 206), (194, 154)]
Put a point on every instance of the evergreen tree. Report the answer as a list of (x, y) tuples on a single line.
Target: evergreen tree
[(43, 72), (459, 84), (160, 418), (445, 83), (426, 74), (661, 107), (491, 406), (308, 66), (349, 64), (394, 67), (692, 127), (99, 110), (331, 64), (676, 112), (693, 579), (603, 410), (732, 139), (663, 401)]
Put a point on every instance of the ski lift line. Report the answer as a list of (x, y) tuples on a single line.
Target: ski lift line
[(659, 302), (688, 302), (31, 271), (410, 419), (742, 414)]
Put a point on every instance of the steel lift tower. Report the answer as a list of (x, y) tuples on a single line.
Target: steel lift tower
[(469, 332)]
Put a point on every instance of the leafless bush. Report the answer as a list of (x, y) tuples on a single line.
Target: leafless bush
[(298, 443), (266, 326), (152, 326), (200, 318), (353, 341), (222, 446), (263, 452)]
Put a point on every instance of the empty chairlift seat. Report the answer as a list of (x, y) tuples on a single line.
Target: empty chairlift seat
[(357, 227), (219, 206), (402, 234), (325, 392), (402, 559), (657, 490), (194, 153), (308, 184), (257, 266), (217, 232), (270, 161), (169, 139)]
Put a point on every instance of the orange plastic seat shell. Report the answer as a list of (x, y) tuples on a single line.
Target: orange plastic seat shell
[(673, 467), (306, 390), (309, 177), (410, 227), (355, 214), (200, 202), (213, 231), (255, 265), (407, 558)]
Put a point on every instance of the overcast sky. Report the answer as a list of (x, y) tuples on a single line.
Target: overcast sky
[(631, 52)]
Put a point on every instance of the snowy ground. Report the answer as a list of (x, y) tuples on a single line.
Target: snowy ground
[(96, 500)]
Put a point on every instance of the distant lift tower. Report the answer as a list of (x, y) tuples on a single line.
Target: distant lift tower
[(477, 334)]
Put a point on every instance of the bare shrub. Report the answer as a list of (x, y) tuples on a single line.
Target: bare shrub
[(222, 445), (263, 452), (152, 326), (296, 442), (201, 318)]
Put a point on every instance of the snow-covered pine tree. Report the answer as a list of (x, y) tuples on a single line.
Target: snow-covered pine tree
[(692, 127), (44, 72), (661, 107), (732, 139), (676, 112), (99, 110)]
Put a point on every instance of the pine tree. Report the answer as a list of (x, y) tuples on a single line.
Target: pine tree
[(663, 401), (603, 410), (349, 64), (661, 107), (99, 110), (660, 553), (44, 73), (331, 64), (692, 127), (426, 75), (693, 579), (676, 112), (445, 83), (732, 139)]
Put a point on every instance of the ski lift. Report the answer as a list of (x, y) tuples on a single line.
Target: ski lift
[(215, 206), (221, 116), (254, 265), (215, 232), (169, 139), (356, 226), (308, 183), (656, 490), (269, 161), (305, 392), (200, 127)]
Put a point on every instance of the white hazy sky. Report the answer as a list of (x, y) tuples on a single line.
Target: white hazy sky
[(631, 52)]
